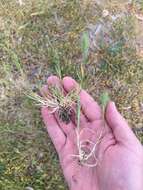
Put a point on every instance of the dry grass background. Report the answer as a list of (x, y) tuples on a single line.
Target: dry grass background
[(35, 37)]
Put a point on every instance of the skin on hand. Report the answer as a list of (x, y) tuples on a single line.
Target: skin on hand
[(120, 154)]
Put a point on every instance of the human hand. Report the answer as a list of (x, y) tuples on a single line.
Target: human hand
[(120, 154)]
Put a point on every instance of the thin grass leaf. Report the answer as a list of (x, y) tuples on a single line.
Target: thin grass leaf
[(56, 61), (104, 99), (78, 113), (85, 46), (16, 61)]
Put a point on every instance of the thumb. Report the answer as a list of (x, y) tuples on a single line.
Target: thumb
[(118, 124)]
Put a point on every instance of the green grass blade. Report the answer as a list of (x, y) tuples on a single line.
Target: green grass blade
[(104, 99), (85, 46), (78, 113)]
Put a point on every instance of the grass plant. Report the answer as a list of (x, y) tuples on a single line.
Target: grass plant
[(55, 100), (87, 144)]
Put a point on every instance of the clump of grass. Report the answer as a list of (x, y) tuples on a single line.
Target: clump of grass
[(121, 52), (55, 100)]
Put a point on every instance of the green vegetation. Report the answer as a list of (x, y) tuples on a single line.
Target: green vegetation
[(42, 37)]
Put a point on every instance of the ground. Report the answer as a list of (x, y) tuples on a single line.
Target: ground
[(39, 38)]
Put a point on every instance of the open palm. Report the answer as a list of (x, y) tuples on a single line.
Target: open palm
[(119, 154)]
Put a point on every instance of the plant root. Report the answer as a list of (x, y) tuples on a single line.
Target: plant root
[(82, 155)]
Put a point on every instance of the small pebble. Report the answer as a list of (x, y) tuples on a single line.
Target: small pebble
[(105, 13), (40, 155), (29, 188)]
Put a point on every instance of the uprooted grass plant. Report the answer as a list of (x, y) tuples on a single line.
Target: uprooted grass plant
[(87, 148), (55, 100)]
